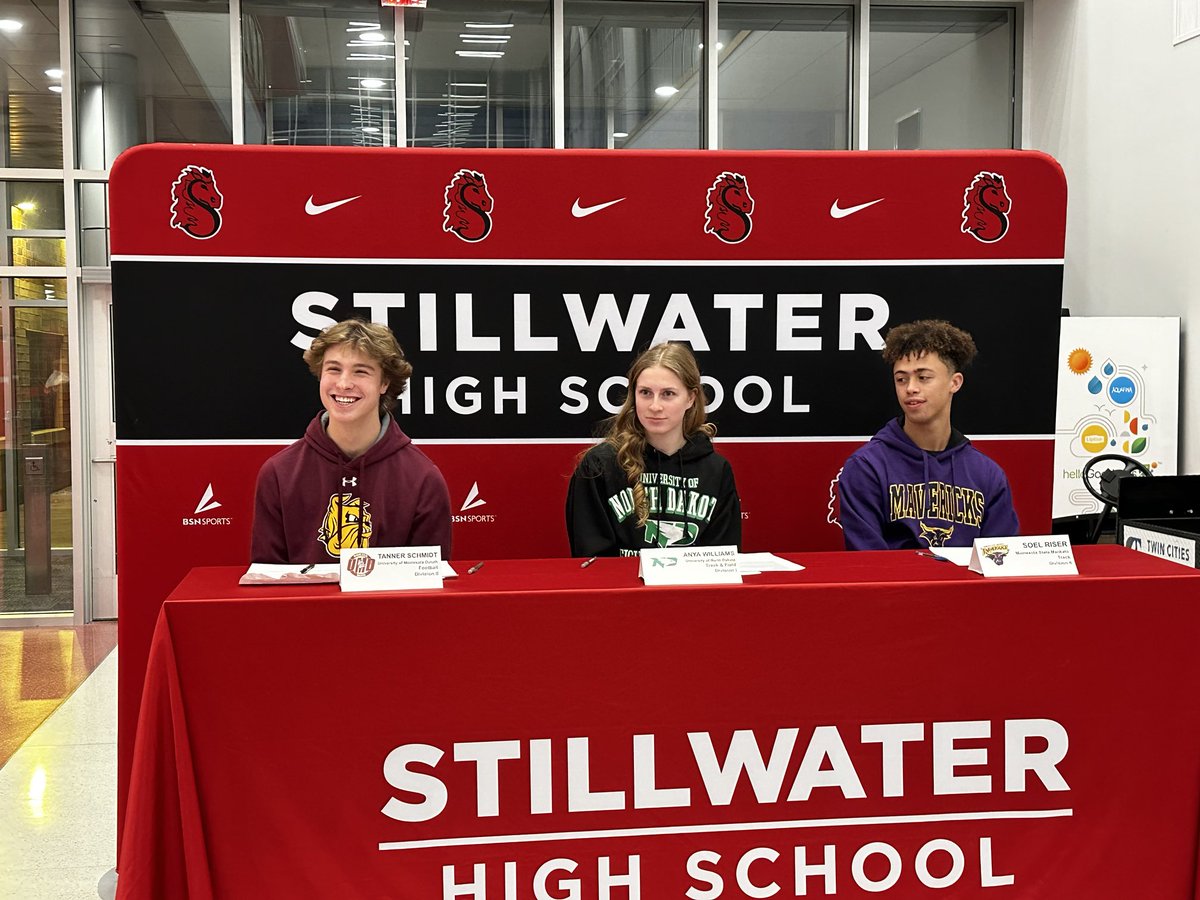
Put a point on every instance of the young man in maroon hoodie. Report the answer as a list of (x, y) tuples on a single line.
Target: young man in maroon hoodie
[(919, 482), (355, 479)]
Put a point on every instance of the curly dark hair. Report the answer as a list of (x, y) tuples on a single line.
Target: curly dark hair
[(955, 347), (369, 339)]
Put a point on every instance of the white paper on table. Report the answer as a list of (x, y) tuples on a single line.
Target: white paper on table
[(757, 563), (960, 556), (278, 573)]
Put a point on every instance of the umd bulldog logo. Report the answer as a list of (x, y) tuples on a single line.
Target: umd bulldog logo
[(468, 211), (347, 524), (360, 565), (196, 203), (986, 206), (995, 552), (730, 207)]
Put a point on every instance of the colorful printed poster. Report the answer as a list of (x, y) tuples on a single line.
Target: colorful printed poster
[(1118, 393)]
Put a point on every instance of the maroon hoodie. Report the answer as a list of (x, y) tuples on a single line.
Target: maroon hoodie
[(390, 496)]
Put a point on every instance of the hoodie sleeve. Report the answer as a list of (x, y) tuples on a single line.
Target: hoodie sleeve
[(590, 529), (859, 510), (431, 516), (726, 525), (268, 544), (999, 517)]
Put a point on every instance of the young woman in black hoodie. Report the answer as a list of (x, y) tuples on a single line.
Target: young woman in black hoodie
[(655, 480)]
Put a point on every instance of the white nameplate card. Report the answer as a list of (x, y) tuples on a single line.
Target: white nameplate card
[(689, 565), (1046, 554), (391, 568)]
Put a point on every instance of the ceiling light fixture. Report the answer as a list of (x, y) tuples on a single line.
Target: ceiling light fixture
[(372, 37), (371, 84), (486, 25), (54, 73), (10, 25), (57, 88), (666, 90), (482, 84), (495, 38), (620, 134), (480, 54)]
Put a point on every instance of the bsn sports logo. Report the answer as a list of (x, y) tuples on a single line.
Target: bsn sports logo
[(468, 210), (730, 207), (206, 504), (472, 501), (986, 206), (196, 203)]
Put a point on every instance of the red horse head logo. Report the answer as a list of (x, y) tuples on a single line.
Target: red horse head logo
[(195, 203), (468, 206), (729, 208), (986, 206)]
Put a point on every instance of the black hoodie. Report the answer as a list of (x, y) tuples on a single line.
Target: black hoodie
[(690, 494)]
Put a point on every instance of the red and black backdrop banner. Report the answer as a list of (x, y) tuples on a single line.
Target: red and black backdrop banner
[(521, 284)]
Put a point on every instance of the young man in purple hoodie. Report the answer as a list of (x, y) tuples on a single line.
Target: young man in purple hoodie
[(355, 479), (919, 483)]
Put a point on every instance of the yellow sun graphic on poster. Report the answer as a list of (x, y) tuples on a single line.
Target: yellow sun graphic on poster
[(1079, 361)]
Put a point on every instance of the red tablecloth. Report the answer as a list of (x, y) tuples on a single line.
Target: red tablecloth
[(879, 723)]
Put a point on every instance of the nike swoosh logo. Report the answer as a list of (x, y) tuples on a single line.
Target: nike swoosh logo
[(315, 209), (839, 213), (580, 211)]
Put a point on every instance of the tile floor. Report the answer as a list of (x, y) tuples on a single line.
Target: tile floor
[(58, 789)]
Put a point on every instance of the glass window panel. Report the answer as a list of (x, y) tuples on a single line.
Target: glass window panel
[(633, 74), (35, 204), (156, 70), (38, 251), (319, 74), (49, 289), (942, 78), (93, 224), (784, 76), (32, 85), (478, 74)]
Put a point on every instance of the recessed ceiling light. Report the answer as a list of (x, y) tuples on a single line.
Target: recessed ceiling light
[(10, 25), (620, 134), (467, 83), (371, 84), (493, 38), (370, 129), (666, 90), (372, 37), (54, 73), (57, 88), (480, 54), (485, 25)]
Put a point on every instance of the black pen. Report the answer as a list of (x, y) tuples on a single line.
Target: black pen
[(587, 562), (308, 568), (475, 568)]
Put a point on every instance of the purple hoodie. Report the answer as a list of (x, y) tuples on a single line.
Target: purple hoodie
[(895, 496), (390, 496)]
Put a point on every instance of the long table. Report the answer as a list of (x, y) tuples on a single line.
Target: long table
[(879, 723)]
